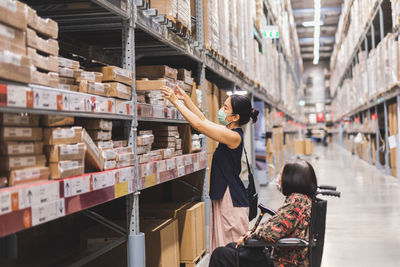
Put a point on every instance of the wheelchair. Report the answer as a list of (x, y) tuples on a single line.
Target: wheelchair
[(315, 244)]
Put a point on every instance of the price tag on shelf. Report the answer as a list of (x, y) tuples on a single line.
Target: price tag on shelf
[(179, 161), (78, 102), (48, 211), (196, 166), (16, 96), (126, 174), (181, 171), (39, 194), (171, 164), (76, 186), (5, 202), (103, 179), (188, 159), (392, 141), (45, 99)]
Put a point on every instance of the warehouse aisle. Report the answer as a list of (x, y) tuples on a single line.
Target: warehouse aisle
[(363, 225)]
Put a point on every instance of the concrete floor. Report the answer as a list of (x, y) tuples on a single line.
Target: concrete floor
[(363, 226)]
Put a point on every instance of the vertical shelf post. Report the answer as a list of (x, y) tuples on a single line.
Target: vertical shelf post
[(387, 167), (398, 140)]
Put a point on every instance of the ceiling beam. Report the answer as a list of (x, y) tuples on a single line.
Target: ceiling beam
[(323, 40), (334, 10)]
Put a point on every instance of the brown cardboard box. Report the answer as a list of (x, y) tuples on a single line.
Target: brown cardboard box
[(125, 163), (163, 133), (145, 84), (48, 63), (56, 153), (125, 156), (127, 149), (93, 88), (13, 14), (109, 164), (98, 135), (156, 72), (60, 136), (16, 119), (105, 144), (93, 157), (164, 145), (47, 27), (69, 73), (120, 143), (49, 46), (28, 175), (308, 147), (68, 81), (21, 134), (56, 120), (21, 148), (68, 87), (12, 39), (68, 63), (162, 242), (88, 75), (98, 124), (3, 182), (116, 74), (299, 147), (119, 90), (65, 169), (15, 67), (108, 154), (185, 75), (47, 79), (17, 162)]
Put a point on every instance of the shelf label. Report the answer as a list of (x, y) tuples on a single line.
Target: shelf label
[(125, 174), (181, 171), (5, 202), (121, 189), (77, 186), (150, 180), (271, 32), (17, 96), (392, 141), (47, 212), (45, 99), (36, 195), (103, 179)]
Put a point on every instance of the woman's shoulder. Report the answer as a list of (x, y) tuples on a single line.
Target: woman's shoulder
[(299, 199)]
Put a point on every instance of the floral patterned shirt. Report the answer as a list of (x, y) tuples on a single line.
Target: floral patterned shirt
[(291, 220)]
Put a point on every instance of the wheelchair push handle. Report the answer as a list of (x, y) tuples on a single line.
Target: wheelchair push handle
[(329, 193), (327, 187)]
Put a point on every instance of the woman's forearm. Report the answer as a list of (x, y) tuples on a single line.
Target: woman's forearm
[(193, 108), (189, 115)]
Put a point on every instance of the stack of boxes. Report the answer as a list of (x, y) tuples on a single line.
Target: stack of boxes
[(22, 159), (125, 155), (68, 69), (185, 80), (393, 133), (177, 10), (42, 48), (167, 140), (145, 140), (277, 137), (303, 147)]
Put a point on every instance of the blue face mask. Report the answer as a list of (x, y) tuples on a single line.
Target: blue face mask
[(222, 117)]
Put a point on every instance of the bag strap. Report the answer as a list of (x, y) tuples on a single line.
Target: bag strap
[(251, 178)]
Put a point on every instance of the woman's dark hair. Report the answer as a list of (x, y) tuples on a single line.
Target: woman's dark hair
[(241, 105), (299, 177)]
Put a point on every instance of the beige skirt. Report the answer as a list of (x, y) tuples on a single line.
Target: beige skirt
[(227, 223)]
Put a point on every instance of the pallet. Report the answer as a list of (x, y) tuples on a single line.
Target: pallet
[(195, 261)]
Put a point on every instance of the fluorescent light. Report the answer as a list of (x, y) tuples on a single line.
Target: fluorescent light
[(311, 23), (317, 29)]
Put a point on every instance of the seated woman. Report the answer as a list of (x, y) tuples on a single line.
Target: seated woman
[(298, 183)]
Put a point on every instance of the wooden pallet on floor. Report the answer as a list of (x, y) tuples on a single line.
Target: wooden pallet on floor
[(195, 261)]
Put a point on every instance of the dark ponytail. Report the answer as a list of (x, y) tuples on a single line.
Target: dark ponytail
[(241, 105)]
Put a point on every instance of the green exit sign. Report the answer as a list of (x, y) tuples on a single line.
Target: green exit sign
[(271, 32)]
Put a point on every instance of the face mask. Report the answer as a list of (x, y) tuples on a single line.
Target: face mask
[(222, 117)]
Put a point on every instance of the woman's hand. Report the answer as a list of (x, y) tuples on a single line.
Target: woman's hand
[(180, 94), (169, 94), (243, 238)]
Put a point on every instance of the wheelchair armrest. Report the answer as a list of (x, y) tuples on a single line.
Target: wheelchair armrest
[(284, 242), (254, 243)]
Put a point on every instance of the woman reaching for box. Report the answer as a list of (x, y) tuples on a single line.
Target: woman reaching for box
[(229, 200)]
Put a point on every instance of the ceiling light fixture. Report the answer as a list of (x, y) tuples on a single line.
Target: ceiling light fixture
[(317, 29), (311, 23)]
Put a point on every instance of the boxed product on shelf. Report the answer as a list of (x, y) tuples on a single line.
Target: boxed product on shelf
[(56, 120), (56, 153), (12, 39), (109, 164), (119, 90), (143, 140), (21, 148), (185, 76), (143, 149), (105, 144), (28, 175), (93, 88), (47, 79), (184, 86), (126, 149), (47, 27), (93, 157), (48, 46), (65, 169), (88, 76), (145, 84), (156, 72), (164, 144), (125, 163), (123, 107), (15, 67), (116, 74), (98, 135), (120, 143), (108, 154), (13, 13), (21, 134), (68, 87), (60, 136), (125, 156), (68, 63), (97, 124), (16, 119), (9, 163), (144, 158), (178, 153), (68, 74), (48, 63), (3, 182)]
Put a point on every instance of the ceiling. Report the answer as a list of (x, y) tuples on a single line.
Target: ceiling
[(303, 10)]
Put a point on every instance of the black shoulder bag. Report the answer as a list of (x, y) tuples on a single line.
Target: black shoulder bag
[(251, 192)]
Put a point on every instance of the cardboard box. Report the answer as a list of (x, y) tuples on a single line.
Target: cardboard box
[(98, 124), (69, 73), (309, 147), (105, 144), (127, 149), (88, 76), (163, 133), (119, 90), (12, 13), (143, 140), (47, 79), (65, 169), (120, 143), (47, 27), (48, 63), (109, 164), (17, 119), (21, 134), (68, 63), (185, 76), (164, 145), (92, 157), (108, 154), (156, 72), (116, 74), (12, 39), (18, 162), (15, 67), (100, 135), (3, 182), (48, 46), (93, 88), (21, 148), (28, 175), (146, 85), (299, 147), (68, 87), (56, 120), (60, 136), (125, 163), (162, 242), (125, 156), (56, 153)]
